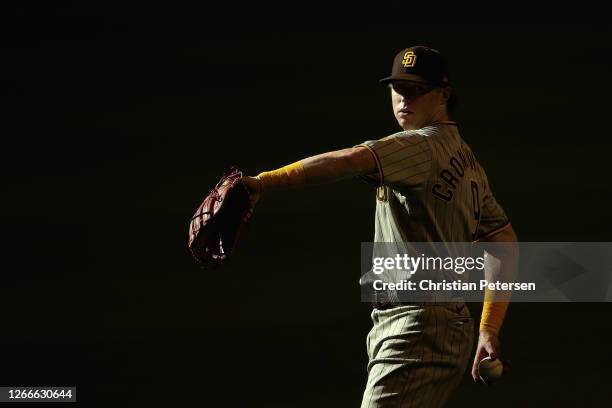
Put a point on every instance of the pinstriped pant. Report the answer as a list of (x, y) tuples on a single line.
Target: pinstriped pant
[(418, 354)]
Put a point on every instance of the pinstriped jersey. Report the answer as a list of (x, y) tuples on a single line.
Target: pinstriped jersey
[(431, 188)]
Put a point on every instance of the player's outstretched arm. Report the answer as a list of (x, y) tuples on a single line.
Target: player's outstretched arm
[(323, 168), (493, 313)]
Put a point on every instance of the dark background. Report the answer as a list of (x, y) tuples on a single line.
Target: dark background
[(120, 118)]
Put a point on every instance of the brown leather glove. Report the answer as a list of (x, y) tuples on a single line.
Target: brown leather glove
[(216, 226)]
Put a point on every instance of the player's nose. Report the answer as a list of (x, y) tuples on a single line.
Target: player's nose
[(405, 99)]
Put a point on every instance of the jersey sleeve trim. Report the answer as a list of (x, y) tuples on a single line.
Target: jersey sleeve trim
[(495, 231), (377, 160), (445, 122)]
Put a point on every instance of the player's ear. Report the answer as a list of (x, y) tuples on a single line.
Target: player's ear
[(447, 91), (445, 94)]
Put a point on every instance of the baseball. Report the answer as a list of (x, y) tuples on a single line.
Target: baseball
[(489, 370)]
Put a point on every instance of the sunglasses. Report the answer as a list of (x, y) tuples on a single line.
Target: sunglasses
[(412, 90)]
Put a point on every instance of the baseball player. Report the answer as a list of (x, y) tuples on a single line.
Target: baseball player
[(430, 188)]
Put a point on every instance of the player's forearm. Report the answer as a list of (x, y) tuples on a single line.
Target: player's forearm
[(336, 165), (323, 168), (501, 264)]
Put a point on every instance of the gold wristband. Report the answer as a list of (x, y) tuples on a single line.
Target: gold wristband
[(287, 177), (493, 314)]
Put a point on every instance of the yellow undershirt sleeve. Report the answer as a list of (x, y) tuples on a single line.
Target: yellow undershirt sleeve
[(493, 314), (287, 177)]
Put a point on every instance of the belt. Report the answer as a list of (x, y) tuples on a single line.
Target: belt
[(383, 301), (390, 305)]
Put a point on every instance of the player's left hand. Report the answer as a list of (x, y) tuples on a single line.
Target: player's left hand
[(488, 346), (253, 185)]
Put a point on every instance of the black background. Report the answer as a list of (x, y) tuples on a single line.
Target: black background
[(121, 117)]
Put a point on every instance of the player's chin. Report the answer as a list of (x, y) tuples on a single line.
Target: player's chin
[(406, 122)]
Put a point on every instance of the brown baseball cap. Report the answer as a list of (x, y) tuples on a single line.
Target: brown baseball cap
[(419, 60)]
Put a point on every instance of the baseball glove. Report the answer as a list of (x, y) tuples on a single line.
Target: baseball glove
[(216, 226)]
